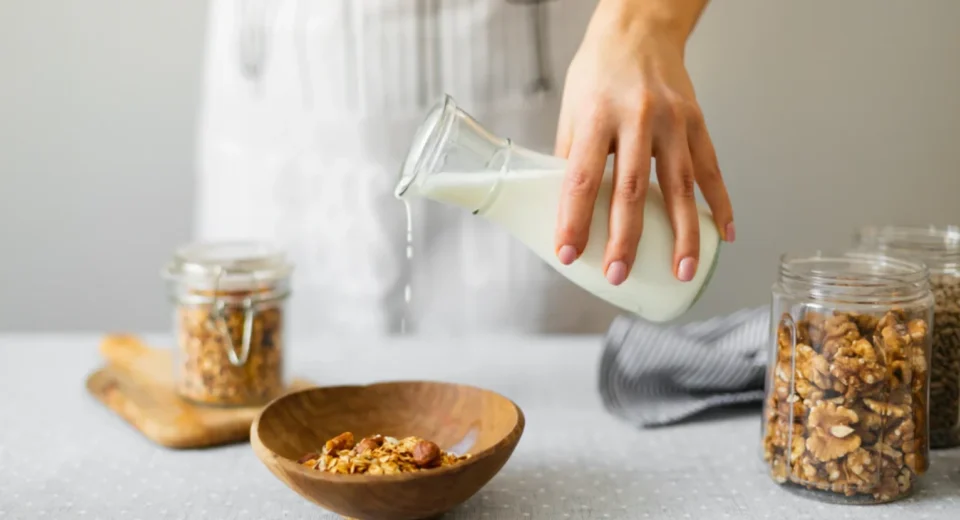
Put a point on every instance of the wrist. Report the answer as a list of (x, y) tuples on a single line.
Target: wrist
[(668, 20)]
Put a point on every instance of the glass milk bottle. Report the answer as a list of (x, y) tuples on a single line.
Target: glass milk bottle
[(453, 160)]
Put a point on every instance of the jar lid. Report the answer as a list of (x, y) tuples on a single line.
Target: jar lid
[(228, 265), (937, 247)]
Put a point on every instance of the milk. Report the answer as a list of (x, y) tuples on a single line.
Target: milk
[(525, 203)]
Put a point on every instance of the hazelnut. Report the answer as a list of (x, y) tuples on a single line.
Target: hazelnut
[(426, 454), (369, 443)]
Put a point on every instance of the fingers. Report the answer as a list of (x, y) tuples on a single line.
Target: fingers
[(631, 178), (675, 175), (585, 166), (706, 171)]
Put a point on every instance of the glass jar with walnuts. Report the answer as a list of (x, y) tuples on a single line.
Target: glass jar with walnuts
[(229, 322), (939, 249), (845, 412)]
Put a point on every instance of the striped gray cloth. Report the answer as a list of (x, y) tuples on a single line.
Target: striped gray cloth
[(652, 375)]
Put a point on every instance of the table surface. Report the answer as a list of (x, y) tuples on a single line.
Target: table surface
[(63, 455)]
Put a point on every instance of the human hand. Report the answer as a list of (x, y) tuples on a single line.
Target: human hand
[(627, 92)]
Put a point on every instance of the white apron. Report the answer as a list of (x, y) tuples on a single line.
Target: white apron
[(308, 108)]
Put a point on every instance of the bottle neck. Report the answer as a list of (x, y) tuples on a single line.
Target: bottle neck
[(501, 164)]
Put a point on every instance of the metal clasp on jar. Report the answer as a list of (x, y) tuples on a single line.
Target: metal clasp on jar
[(218, 323)]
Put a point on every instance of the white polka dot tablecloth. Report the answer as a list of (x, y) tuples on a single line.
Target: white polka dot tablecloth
[(64, 456)]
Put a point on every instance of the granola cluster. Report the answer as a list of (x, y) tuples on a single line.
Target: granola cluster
[(945, 363), (378, 455), (206, 374), (846, 409)]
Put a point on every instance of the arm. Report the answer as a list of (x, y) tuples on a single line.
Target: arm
[(675, 18), (627, 92)]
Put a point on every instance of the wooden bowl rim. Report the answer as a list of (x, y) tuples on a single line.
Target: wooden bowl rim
[(513, 437)]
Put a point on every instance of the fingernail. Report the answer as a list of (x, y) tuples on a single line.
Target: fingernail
[(686, 269), (617, 273), (567, 254), (731, 233)]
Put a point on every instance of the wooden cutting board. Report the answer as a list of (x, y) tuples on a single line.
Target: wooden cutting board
[(137, 384)]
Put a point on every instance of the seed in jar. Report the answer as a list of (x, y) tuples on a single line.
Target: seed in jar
[(945, 363)]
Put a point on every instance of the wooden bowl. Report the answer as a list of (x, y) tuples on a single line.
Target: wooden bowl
[(458, 418)]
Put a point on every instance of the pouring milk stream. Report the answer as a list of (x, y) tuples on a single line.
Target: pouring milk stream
[(453, 160)]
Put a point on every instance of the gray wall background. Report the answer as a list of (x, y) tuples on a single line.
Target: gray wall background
[(826, 116)]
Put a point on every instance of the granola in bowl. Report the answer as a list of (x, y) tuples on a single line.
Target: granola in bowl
[(378, 455)]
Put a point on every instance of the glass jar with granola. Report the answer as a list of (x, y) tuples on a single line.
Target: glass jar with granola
[(939, 249), (845, 413), (229, 322)]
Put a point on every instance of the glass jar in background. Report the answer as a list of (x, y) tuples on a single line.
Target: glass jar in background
[(845, 412), (939, 249), (229, 322)]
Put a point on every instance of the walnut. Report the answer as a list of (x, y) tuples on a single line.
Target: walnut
[(840, 325), (781, 379), (793, 402), (894, 482), (902, 435), (814, 318), (769, 450), (904, 480), (780, 437), (807, 390), (917, 329), (857, 367), (831, 436), (807, 468), (785, 339), (811, 329), (869, 426), (797, 443), (870, 419), (894, 456), (835, 471), (861, 463), (770, 407), (887, 409), (865, 322), (888, 488), (900, 373), (893, 317), (918, 360), (841, 331), (813, 367), (894, 342), (833, 345)]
